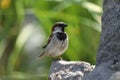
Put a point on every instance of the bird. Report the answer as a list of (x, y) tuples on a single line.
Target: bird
[(57, 42)]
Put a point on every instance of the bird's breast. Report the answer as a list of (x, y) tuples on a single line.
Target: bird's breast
[(61, 36), (57, 45)]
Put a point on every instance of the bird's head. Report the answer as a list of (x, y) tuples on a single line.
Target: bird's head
[(59, 26)]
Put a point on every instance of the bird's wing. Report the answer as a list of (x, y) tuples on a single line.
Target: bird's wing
[(49, 39)]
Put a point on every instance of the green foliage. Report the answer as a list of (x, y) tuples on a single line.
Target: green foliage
[(84, 25)]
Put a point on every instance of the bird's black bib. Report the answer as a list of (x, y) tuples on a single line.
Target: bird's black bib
[(61, 36)]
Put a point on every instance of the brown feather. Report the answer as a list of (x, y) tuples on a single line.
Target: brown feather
[(49, 39)]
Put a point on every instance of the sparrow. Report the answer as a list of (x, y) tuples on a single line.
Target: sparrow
[(57, 42)]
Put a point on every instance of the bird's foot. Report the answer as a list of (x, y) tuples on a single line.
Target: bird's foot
[(60, 58)]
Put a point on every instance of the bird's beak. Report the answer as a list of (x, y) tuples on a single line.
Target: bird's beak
[(65, 25)]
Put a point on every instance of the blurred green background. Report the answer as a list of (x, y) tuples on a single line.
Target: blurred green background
[(26, 24)]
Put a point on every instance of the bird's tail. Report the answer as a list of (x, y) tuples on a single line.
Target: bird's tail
[(41, 55)]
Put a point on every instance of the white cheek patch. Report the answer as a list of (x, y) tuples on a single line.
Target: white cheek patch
[(57, 29)]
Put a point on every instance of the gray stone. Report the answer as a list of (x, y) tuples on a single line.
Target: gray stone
[(108, 57), (69, 70)]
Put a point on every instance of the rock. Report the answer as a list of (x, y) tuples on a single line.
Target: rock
[(108, 56), (69, 70), (115, 76)]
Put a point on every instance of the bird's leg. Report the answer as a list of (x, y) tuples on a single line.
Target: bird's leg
[(60, 58)]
